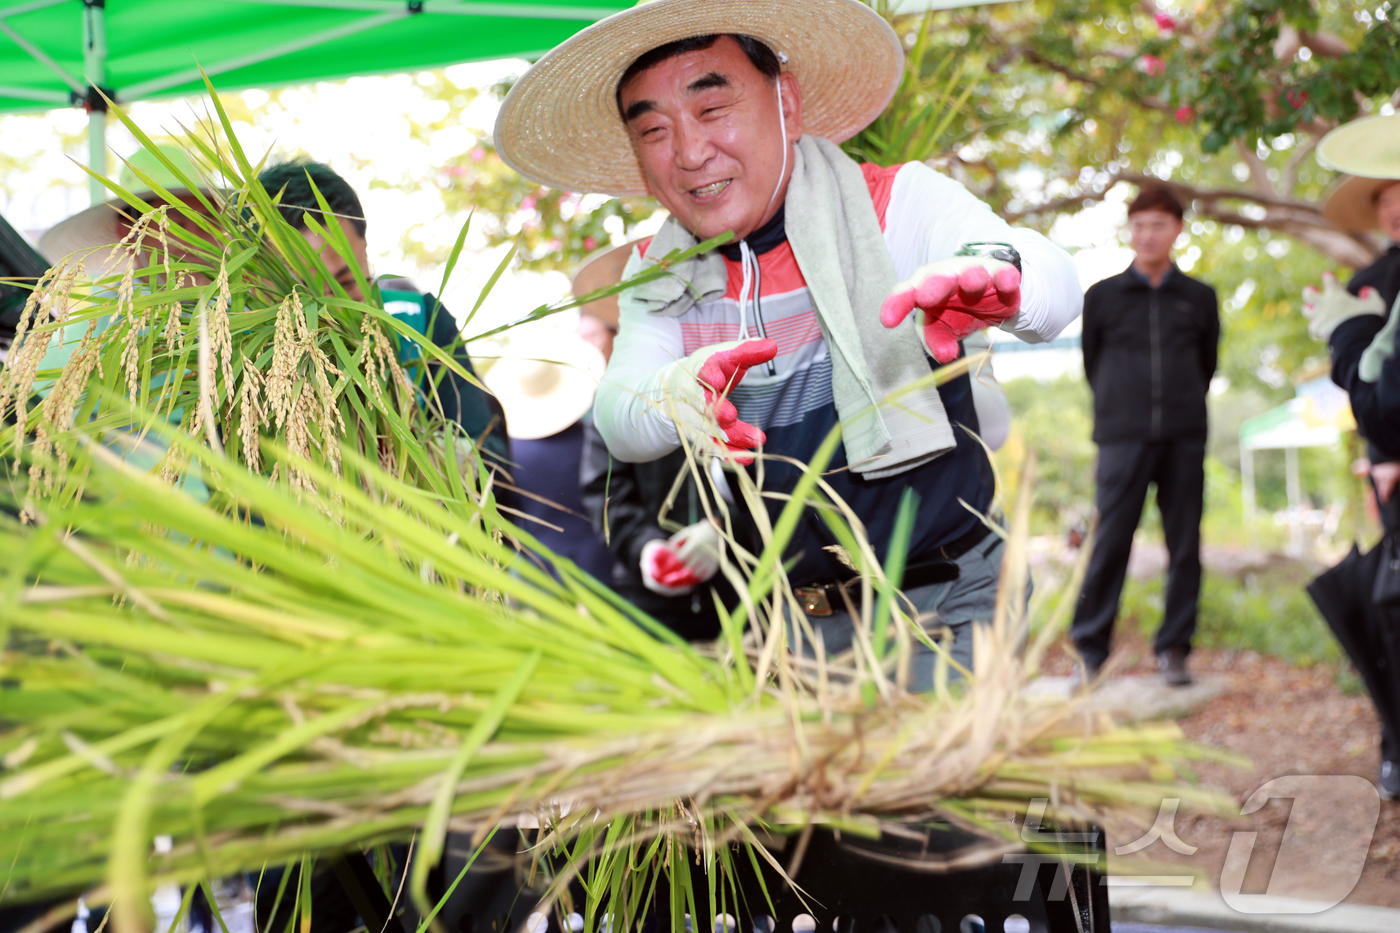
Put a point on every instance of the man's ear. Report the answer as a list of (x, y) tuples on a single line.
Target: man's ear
[(792, 104)]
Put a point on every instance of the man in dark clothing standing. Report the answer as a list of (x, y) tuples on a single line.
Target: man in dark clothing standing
[(1150, 339)]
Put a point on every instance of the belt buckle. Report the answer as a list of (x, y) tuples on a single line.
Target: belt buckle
[(814, 601)]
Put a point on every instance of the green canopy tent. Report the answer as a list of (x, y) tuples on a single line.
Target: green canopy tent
[(56, 53)]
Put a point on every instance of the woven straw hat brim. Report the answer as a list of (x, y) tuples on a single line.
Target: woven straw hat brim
[(560, 126), (90, 228), (1351, 204), (1369, 148), (577, 366)]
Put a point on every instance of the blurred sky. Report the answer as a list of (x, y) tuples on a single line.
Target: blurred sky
[(361, 128)]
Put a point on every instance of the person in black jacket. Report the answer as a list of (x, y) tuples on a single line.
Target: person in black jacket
[(628, 502), (1150, 340), (1363, 204)]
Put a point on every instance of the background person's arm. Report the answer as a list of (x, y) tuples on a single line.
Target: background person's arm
[(1091, 336), (628, 410), (1210, 341)]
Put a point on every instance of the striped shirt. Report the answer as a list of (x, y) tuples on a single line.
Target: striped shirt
[(925, 216)]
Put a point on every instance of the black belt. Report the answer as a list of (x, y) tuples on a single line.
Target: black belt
[(818, 599)]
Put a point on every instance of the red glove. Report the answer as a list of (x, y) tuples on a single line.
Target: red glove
[(700, 383), (959, 296), (682, 562)]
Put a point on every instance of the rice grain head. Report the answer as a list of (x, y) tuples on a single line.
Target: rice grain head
[(221, 342), (287, 348), (251, 414)]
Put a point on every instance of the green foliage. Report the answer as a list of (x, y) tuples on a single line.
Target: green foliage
[(550, 229), (554, 229), (1241, 90), (1053, 420), (1258, 277), (926, 114), (1268, 612)]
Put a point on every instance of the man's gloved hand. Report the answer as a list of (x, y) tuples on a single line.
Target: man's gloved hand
[(1334, 304), (1382, 348), (683, 561), (958, 295), (696, 389)]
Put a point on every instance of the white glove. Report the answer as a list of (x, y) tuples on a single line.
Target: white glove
[(1328, 308), (683, 561), (1381, 349), (694, 392)]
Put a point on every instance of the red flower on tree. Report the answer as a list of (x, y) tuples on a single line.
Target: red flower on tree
[(1185, 113), (1164, 22), (1153, 65), (1297, 98)]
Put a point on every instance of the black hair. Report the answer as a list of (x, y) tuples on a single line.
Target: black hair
[(294, 179), (760, 56), (1156, 198)]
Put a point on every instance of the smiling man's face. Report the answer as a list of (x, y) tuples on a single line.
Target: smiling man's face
[(706, 130)]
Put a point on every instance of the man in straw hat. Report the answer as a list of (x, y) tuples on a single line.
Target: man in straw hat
[(1359, 325), (729, 114)]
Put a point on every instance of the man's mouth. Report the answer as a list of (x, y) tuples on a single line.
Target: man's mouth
[(711, 190)]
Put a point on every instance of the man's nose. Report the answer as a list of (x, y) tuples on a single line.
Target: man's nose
[(693, 146)]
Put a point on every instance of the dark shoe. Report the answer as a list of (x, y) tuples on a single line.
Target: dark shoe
[(1388, 781), (1173, 665), (1085, 676)]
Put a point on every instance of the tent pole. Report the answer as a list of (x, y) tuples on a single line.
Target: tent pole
[(1295, 501), (95, 64)]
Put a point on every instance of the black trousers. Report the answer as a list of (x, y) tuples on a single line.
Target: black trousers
[(1123, 474)]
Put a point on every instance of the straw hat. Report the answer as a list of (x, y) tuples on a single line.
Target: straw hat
[(542, 396), (559, 125), (97, 225), (1369, 150)]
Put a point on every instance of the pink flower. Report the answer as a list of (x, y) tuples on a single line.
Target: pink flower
[(478, 154), (1164, 22), (589, 243), (554, 246), (1185, 113), (1153, 65), (528, 204)]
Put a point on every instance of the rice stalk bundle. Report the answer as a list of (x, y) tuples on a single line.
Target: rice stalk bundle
[(319, 682)]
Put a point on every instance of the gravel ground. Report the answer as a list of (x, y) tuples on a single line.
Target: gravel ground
[(1287, 721)]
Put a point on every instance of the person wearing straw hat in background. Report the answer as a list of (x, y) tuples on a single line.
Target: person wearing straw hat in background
[(105, 224), (545, 397), (665, 574), (840, 292), (93, 231), (1363, 204), (1359, 325)]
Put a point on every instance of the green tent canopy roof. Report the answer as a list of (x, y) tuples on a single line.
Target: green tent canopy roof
[(154, 47)]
